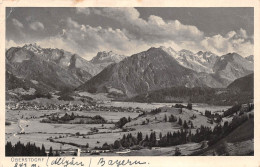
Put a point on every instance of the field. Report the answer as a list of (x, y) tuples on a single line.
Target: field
[(26, 127), (38, 133), (149, 106)]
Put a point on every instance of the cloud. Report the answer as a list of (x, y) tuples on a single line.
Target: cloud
[(29, 18), (17, 23), (85, 11), (238, 42), (36, 26), (87, 40), (137, 34), (11, 43), (153, 30)]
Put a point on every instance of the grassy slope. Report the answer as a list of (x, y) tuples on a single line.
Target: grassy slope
[(241, 134)]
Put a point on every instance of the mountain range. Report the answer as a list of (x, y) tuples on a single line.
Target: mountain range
[(154, 69), (55, 68), (162, 67)]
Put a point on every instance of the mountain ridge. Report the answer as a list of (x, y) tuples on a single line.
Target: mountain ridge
[(148, 70)]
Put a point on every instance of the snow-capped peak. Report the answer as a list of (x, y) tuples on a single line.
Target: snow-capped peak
[(33, 47), (104, 56), (185, 52), (170, 51)]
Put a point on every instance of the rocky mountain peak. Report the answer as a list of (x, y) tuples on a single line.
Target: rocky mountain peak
[(185, 52), (169, 50), (33, 47), (107, 57)]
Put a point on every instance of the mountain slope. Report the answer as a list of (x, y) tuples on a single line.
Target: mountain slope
[(62, 58), (53, 68), (232, 66), (107, 57), (17, 87), (245, 83), (238, 142), (199, 62), (250, 58), (104, 59), (149, 70), (239, 91)]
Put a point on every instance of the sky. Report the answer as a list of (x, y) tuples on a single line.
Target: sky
[(126, 31)]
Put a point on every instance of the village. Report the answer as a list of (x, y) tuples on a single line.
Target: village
[(70, 107)]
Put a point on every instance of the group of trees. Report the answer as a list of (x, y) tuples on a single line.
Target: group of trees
[(127, 141), (216, 117), (66, 97), (250, 106), (196, 95), (37, 94), (178, 94), (56, 118), (207, 113), (68, 117), (20, 149), (184, 123), (172, 118), (156, 111), (222, 131), (182, 136), (122, 121), (232, 110), (189, 106)]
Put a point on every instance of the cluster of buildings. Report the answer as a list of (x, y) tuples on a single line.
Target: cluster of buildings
[(69, 107)]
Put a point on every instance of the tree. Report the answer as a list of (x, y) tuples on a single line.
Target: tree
[(129, 119), (50, 153), (20, 149), (121, 122), (165, 118), (87, 145), (57, 153), (207, 113), (139, 136), (152, 139), (117, 144), (172, 118), (146, 138), (180, 121), (189, 106), (43, 150), (177, 151), (191, 125), (8, 149), (147, 120), (185, 125), (106, 146), (72, 116)]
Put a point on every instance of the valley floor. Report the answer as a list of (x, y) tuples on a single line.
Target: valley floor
[(26, 126)]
